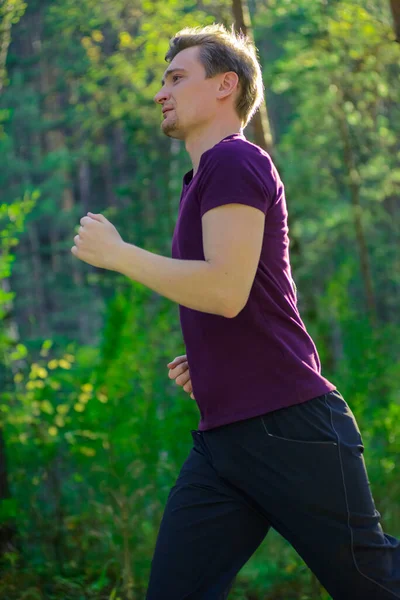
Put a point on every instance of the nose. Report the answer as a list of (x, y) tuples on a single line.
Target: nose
[(161, 96)]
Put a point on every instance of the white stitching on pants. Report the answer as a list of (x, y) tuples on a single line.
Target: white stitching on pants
[(348, 512)]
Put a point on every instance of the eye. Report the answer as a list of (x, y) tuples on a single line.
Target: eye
[(174, 76)]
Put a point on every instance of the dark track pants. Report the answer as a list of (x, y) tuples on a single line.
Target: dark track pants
[(300, 470)]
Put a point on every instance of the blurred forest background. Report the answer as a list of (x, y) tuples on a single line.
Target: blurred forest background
[(92, 431)]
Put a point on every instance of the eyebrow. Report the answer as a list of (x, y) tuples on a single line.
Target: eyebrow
[(168, 72)]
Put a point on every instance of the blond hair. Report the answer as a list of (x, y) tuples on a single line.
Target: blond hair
[(221, 51)]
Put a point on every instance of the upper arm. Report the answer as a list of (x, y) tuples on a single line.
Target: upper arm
[(236, 190), (232, 241)]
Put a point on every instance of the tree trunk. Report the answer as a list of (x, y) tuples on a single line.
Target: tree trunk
[(7, 526), (353, 179), (5, 40), (395, 6), (54, 138), (107, 171), (260, 121), (10, 12), (54, 479), (84, 185), (123, 172), (391, 206), (38, 281)]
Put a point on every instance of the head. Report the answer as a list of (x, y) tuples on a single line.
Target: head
[(213, 76)]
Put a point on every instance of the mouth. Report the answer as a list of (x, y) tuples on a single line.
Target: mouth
[(166, 110)]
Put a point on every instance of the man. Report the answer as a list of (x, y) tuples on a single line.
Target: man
[(277, 445)]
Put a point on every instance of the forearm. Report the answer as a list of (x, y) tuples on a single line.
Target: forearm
[(195, 284)]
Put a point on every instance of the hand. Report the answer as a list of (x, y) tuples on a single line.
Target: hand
[(179, 370), (97, 242)]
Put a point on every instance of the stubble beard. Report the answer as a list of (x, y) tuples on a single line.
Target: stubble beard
[(170, 127)]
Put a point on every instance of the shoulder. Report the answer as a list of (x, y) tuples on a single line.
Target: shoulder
[(239, 159), (238, 150)]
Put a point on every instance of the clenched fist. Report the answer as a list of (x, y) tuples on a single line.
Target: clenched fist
[(179, 370), (98, 242)]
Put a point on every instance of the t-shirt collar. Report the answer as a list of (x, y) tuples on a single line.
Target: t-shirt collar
[(188, 177)]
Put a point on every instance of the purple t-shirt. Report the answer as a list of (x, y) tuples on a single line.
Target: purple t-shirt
[(263, 359)]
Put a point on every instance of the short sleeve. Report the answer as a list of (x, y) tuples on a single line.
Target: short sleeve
[(231, 175)]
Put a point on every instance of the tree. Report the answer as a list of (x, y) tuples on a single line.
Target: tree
[(395, 7), (10, 12), (260, 121)]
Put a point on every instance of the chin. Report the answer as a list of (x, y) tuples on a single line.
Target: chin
[(172, 131)]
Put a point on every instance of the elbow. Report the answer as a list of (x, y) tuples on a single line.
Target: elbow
[(227, 311), (233, 314), (234, 311)]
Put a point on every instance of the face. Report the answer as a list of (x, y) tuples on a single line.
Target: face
[(192, 99)]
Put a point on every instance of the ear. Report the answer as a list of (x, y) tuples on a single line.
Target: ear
[(228, 85)]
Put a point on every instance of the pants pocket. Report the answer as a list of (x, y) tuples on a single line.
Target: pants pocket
[(307, 423)]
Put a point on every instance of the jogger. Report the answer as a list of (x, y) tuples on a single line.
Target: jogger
[(298, 469), (276, 444)]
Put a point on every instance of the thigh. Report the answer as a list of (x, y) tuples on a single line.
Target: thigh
[(326, 509), (207, 534)]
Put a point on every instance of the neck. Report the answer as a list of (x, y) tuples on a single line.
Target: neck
[(198, 142)]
